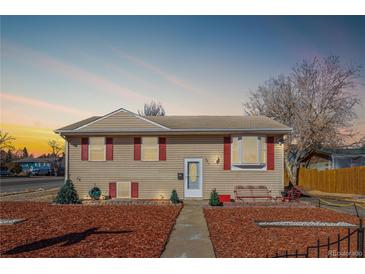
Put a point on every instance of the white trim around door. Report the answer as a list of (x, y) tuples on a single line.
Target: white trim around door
[(193, 178)]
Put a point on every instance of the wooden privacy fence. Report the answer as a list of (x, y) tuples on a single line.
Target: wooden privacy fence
[(342, 180)]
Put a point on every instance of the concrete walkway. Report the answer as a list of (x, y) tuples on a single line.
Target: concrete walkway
[(190, 237)]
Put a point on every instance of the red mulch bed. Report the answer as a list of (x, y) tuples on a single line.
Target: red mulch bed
[(234, 233), (85, 231)]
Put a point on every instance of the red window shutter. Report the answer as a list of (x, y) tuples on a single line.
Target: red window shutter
[(137, 148), (84, 149), (162, 148), (227, 153), (109, 149), (134, 189), (270, 153), (113, 189)]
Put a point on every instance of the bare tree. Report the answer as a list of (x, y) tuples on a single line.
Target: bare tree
[(6, 141), (57, 150), (316, 100), (152, 109)]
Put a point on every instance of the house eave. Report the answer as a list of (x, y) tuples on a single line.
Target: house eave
[(274, 131)]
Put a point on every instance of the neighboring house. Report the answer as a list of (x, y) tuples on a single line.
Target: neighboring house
[(335, 158), (132, 156), (35, 166)]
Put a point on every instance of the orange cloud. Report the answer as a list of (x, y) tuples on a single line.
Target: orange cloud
[(42, 104), (34, 138)]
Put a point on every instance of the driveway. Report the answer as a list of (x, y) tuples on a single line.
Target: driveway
[(19, 184)]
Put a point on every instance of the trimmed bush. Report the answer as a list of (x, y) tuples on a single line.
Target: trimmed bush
[(67, 194), (95, 193), (174, 197), (214, 199)]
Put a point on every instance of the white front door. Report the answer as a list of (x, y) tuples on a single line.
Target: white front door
[(193, 178)]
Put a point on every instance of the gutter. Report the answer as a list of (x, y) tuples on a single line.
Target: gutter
[(172, 131)]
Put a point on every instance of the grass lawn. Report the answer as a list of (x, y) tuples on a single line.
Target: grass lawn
[(85, 231), (234, 233)]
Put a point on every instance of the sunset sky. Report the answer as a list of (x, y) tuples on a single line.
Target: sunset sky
[(58, 70)]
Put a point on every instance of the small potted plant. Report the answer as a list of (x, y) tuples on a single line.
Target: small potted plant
[(174, 197), (214, 199), (95, 193)]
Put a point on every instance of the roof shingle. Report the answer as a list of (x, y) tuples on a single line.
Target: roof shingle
[(217, 122)]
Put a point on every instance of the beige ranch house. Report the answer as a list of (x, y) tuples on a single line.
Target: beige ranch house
[(145, 157)]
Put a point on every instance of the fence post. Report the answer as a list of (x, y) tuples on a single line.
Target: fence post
[(338, 246), (328, 247), (319, 202), (348, 243), (357, 213), (360, 241), (318, 248)]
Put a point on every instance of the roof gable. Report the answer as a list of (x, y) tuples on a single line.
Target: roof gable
[(120, 119)]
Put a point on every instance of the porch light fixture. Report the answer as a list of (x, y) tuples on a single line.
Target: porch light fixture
[(217, 160)]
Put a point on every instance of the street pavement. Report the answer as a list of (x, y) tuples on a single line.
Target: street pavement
[(19, 184)]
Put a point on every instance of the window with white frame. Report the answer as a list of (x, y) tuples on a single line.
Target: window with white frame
[(248, 152), (150, 148), (96, 149)]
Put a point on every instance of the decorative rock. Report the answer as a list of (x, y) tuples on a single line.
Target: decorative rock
[(10, 221), (304, 224)]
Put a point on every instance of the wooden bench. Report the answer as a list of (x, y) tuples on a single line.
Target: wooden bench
[(251, 193)]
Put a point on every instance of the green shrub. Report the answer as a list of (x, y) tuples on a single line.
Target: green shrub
[(67, 194), (95, 193), (214, 199), (174, 197)]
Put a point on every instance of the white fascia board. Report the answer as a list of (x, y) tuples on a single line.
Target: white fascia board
[(134, 130)]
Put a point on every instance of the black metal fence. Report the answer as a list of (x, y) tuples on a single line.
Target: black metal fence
[(340, 248)]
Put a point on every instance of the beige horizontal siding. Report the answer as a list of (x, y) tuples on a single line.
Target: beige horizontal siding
[(120, 120), (157, 179)]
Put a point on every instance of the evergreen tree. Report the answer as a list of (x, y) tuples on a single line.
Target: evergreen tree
[(25, 153), (214, 199), (67, 194), (9, 156), (174, 197)]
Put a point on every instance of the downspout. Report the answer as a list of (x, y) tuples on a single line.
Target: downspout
[(66, 160)]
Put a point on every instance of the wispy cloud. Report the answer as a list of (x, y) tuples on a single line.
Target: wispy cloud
[(36, 103), (169, 77), (72, 71)]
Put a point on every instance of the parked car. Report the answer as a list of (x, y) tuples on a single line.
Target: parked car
[(41, 171), (4, 172)]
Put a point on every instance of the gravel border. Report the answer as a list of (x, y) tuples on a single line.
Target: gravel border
[(302, 224), (10, 221)]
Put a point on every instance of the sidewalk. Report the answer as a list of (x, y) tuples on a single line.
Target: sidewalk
[(344, 196), (190, 237)]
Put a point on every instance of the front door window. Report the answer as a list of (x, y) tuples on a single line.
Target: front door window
[(193, 177)]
